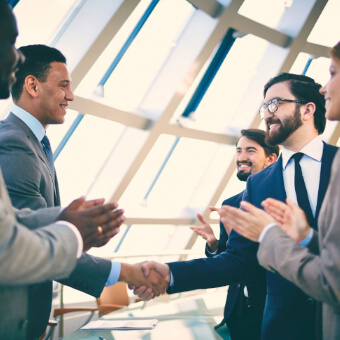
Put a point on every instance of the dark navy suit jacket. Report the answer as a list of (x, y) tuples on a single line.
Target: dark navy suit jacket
[(288, 314), (256, 284)]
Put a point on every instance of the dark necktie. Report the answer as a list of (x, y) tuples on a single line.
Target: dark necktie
[(48, 152), (301, 191)]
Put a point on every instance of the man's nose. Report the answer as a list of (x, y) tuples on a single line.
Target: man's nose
[(69, 96)]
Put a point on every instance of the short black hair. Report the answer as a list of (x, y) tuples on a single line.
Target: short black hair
[(38, 59), (259, 136), (306, 90)]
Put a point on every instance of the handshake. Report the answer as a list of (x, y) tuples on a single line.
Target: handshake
[(146, 279)]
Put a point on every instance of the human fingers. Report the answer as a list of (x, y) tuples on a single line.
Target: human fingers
[(109, 220), (75, 204), (277, 211), (143, 293), (92, 203), (158, 282), (201, 219), (161, 268)]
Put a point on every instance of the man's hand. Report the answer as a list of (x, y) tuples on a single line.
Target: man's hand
[(154, 283), (248, 223), (290, 217), (206, 232), (149, 268), (96, 222)]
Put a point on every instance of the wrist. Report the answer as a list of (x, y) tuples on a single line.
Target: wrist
[(212, 245), (125, 272)]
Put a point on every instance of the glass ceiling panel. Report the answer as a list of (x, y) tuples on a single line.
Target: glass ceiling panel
[(131, 79), (186, 183), (40, 25), (216, 111), (83, 156), (270, 16), (326, 31)]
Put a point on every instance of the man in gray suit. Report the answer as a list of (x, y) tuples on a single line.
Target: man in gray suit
[(41, 94)]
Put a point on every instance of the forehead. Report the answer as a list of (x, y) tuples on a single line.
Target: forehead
[(58, 72), (279, 90), (244, 143), (335, 63)]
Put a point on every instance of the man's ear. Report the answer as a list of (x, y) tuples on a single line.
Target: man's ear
[(309, 110), (31, 86), (271, 158)]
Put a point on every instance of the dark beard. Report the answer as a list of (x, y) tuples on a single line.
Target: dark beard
[(242, 175), (288, 126)]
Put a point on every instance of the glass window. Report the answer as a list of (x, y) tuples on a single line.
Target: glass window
[(326, 31), (84, 155), (136, 71), (186, 183), (216, 111), (259, 11), (41, 24)]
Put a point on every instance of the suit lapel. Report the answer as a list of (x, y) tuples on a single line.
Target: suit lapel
[(328, 154), (36, 146), (274, 182)]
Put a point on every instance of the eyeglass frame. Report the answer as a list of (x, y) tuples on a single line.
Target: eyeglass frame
[(265, 106)]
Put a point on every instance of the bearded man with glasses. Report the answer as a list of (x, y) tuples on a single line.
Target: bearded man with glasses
[(294, 115)]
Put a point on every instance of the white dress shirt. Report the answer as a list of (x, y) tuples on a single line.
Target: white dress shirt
[(311, 168)]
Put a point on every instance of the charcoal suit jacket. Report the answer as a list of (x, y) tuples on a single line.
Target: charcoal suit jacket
[(31, 184)]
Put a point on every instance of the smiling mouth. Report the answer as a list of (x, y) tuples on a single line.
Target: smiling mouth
[(243, 166), (273, 127)]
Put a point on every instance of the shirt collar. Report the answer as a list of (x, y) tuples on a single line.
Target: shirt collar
[(313, 149), (32, 122)]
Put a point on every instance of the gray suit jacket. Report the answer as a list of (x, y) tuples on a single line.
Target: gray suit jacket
[(30, 183), (316, 270)]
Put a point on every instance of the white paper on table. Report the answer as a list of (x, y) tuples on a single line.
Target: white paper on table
[(122, 324)]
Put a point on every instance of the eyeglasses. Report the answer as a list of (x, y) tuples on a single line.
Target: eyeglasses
[(273, 105)]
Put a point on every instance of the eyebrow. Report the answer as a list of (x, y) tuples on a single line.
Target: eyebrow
[(248, 148)]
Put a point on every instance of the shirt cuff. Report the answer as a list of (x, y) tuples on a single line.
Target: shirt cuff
[(306, 240), (211, 252), (172, 281), (77, 234), (114, 274), (265, 229)]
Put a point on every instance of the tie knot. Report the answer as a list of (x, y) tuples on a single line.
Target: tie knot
[(46, 142), (298, 156)]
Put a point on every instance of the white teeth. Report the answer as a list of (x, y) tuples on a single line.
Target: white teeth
[(272, 126)]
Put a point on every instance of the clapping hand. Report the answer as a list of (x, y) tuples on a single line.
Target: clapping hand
[(96, 222)]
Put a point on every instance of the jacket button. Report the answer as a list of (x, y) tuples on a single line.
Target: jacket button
[(310, 301), (23, 323), (238, 285)]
